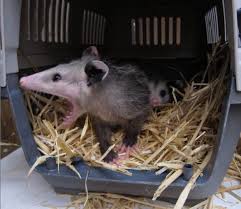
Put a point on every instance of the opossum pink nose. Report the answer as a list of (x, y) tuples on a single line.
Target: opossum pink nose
[(155, 102), (23, 81)]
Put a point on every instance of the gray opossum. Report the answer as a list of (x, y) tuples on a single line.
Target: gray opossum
[(111, 95), (161, 91)]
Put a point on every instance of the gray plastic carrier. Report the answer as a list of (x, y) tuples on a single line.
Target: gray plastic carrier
[(42, 33)]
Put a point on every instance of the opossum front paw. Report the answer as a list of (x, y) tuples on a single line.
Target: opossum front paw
[(110, 157), (125, 151)]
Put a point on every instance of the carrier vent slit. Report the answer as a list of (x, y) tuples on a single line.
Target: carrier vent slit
[(140, 21), (170, 33), (36, 21), (93, 28), (133, 31), (178, 31), (56, 23), (43, 21), (147, 31), (155, 30), (62, 21), (97, 29), (212, 29), (50, 13), (67, 23), (163, 30), (83, 26)]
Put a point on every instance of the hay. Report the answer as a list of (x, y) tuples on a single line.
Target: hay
[(182, 198), (8, 144), (180, 133), (235, 167), (114, 201)]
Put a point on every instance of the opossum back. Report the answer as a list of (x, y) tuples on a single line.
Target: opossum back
[(125, 92), (131, 83)]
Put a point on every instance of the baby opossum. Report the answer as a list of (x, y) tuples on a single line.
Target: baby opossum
[(161, 91), (111, 95)]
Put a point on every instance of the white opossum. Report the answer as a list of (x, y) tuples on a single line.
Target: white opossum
[(112, 95)]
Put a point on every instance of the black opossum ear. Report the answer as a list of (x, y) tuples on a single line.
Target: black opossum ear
[(178, 84), (91, 51), (96, 71)]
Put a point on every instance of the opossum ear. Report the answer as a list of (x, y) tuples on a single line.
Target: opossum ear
[(179, 84), (91, 51), (96, 71)]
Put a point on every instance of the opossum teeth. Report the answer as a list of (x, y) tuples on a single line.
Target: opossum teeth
[(69, 112)]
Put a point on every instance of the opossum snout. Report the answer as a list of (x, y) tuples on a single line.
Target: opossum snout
[(155, 102), (23, 82), (27, 83)]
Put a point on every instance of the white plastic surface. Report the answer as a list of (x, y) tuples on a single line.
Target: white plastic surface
[(9, 24), (2, 49), (21, 192)]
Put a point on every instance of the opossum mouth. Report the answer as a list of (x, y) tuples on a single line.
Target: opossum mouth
[(72, 113)]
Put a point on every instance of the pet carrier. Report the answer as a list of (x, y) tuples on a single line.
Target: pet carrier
[(42, 33)]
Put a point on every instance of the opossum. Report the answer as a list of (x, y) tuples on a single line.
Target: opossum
[(161, 91), (112, 95)]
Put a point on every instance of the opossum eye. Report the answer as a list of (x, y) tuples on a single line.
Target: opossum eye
[(56, 77), (163, 93)]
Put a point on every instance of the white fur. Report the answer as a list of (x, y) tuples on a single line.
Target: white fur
[(155, 88)]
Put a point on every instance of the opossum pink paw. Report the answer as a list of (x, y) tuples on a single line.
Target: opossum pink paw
[(126, 151), (123, 148), (122, 157), (116, 161)]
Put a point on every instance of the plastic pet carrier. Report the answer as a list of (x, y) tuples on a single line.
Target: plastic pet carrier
[(46, 32)]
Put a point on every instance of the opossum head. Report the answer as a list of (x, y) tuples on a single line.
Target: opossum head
[(72, 81), (159, 93)]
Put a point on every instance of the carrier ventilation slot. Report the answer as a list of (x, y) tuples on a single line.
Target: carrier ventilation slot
[(239, 27), (48, 21), (157, 31), (93, 28), (36, 20), (212, 30)]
